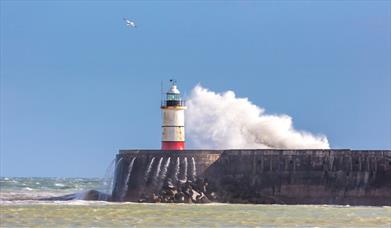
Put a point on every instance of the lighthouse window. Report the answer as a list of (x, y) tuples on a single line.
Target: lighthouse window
[(170, 97), (173, 97)]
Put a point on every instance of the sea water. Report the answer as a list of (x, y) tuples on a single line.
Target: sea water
[(20, 207)]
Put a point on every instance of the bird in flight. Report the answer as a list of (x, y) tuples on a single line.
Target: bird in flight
[(129, 23)]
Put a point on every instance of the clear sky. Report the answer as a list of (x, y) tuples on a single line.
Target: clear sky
[(77, 85)]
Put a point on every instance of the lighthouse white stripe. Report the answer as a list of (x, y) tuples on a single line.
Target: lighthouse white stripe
[(173, 117), (174, 134)]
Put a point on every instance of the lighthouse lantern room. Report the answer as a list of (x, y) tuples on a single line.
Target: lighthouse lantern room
[(173, 114)]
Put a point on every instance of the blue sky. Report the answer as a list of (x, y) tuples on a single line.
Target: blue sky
[(77, 85)]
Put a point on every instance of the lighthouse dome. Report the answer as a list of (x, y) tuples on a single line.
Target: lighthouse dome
[(174, 90)]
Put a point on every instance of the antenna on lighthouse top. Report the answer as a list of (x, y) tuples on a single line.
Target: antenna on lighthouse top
[(173, 81), (161, 93)]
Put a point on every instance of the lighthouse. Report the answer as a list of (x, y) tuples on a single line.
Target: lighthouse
[(173, 124)]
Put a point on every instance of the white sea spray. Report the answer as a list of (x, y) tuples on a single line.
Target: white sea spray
[(224, 121)]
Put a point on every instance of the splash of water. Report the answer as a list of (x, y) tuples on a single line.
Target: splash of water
[(115, 184), (127, 179), (148, 171), (185, 170), (194, 169), (163, 173), (177, 169), (108, 180), (165, 168), (158, 169), (224, 121)]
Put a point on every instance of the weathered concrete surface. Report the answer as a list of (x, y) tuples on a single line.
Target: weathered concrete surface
[(354, 177)]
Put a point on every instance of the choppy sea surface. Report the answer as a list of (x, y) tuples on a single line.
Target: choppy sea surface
[(20, 207)]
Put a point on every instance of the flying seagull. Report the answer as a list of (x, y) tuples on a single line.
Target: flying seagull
[(129, 23)]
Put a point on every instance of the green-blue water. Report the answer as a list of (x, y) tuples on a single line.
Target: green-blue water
[(19, 207)]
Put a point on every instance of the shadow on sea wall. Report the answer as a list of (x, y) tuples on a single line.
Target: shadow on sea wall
[(354, 177)]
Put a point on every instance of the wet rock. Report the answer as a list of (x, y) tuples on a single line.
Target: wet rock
[(204, 199), (212, 196), (195, 195), (87, 195), (169, 184), (179, 197), (155, 198), (181, 192)]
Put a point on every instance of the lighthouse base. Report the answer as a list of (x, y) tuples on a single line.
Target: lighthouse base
[(173, 145)]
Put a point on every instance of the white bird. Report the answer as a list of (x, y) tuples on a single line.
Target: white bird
[(130, 23)]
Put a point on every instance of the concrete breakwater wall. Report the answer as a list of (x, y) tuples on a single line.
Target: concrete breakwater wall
[(354, 177)]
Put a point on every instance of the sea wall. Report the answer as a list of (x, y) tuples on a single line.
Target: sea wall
[(354, 177)]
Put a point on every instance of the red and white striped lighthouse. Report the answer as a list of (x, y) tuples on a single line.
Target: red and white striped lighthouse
[(173, 126)]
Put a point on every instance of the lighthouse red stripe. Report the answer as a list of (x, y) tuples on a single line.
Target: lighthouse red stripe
[(173, 145)]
